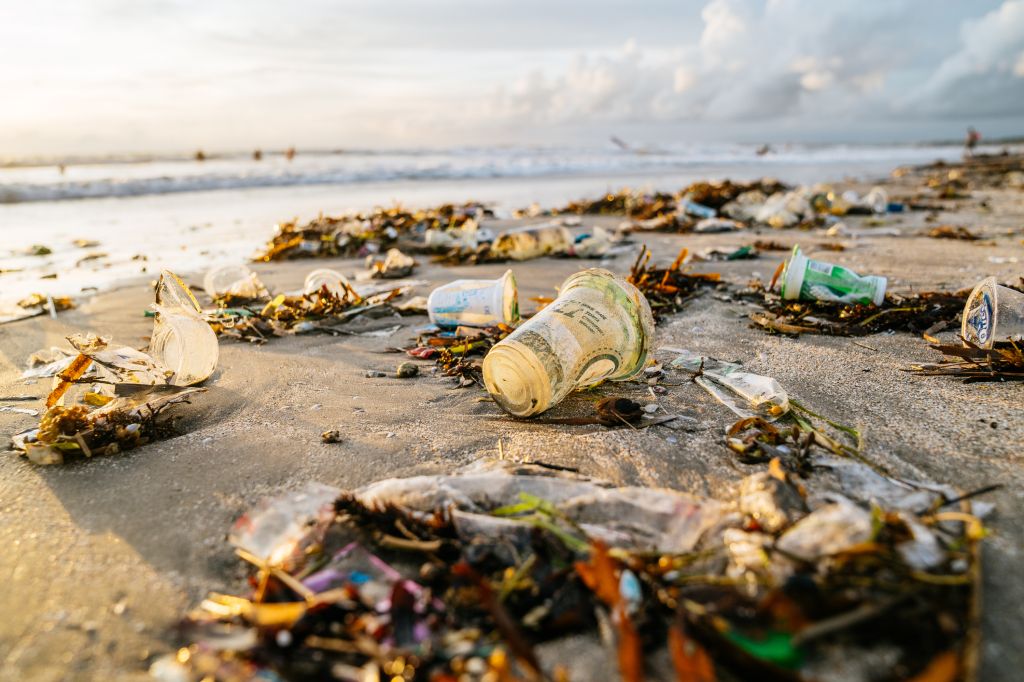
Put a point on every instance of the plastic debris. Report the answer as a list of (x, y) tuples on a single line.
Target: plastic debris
[(34, 305), (182, 341), (394, 265), (280, 530), (599, 328), (475, 302), (804, 278), (744, 393), (532, 241), (232, 283), (426, 575), (993, 313)]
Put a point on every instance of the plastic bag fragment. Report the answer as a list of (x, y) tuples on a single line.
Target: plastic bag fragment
[(744, 393)]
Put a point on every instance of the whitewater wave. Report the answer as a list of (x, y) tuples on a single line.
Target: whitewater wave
[(163, 176)]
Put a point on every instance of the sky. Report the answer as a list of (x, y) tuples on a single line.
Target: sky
[(122, 76)]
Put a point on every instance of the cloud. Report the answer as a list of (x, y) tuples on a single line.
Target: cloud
[(791, 59), (985, 75)]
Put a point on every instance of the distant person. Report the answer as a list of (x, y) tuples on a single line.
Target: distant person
[(289, 153), (971, 142), (257, 155), (61, 168), (764, 149), (200, 156)]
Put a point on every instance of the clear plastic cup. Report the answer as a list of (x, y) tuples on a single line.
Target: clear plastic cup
[(599, 328), (993, 313), (335, 282), (532, 242), (182, 341), (235, 279), (475, 302)]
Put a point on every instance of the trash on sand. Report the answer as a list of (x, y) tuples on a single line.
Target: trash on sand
[(455, 351), (475, 302), (744, 393), (394, 265), (335, 282), (332, 436), (808, 279), (182, 341), (952, 232), (407, 370), (19, 410), (926, 313), (599, 328), (362, 234), (126, 422), (993, 313), (668, 290), (711, 225), (328, 300), (438, 577), (34, 305), (532, 241), (232, 283), (999, 362), (700, 210), (596, 243)]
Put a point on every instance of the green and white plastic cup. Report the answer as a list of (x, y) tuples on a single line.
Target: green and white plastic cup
[(814, 280), (993, 313)]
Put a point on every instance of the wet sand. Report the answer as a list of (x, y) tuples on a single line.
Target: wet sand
[(104, 556)]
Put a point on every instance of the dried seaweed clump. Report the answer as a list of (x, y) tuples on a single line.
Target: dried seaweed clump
[(459, 352), (361, 234), (317, 311), (1003, 362), (122, 423), (668, 290), (923, 313)]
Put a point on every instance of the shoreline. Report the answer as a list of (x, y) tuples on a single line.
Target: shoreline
[(145, 529)]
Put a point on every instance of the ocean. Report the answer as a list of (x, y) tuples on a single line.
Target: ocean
[(183, 214)]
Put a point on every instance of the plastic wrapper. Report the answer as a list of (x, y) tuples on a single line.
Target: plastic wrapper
[(745, 393)]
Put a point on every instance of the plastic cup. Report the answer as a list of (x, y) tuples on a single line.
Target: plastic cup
[(532, 242), (815, 280), (475, 302), (182, 341), (993, 313), (237, 280), (325, 277), (599, 328)]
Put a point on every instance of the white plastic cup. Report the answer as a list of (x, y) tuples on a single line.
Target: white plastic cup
[(475, 302), (325, 277), (599, 328), (993, 313)]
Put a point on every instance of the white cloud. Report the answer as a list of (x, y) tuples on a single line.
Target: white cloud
[(788, 59)]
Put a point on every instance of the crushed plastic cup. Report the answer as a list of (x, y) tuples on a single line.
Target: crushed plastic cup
[(532, 241), (745, 393), (182, 341), (993, 313), (233, 280), (814, 280), (599, 328), (335, 282), (475, 302)]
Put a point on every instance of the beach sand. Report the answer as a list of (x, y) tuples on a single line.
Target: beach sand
[(103, 557)]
